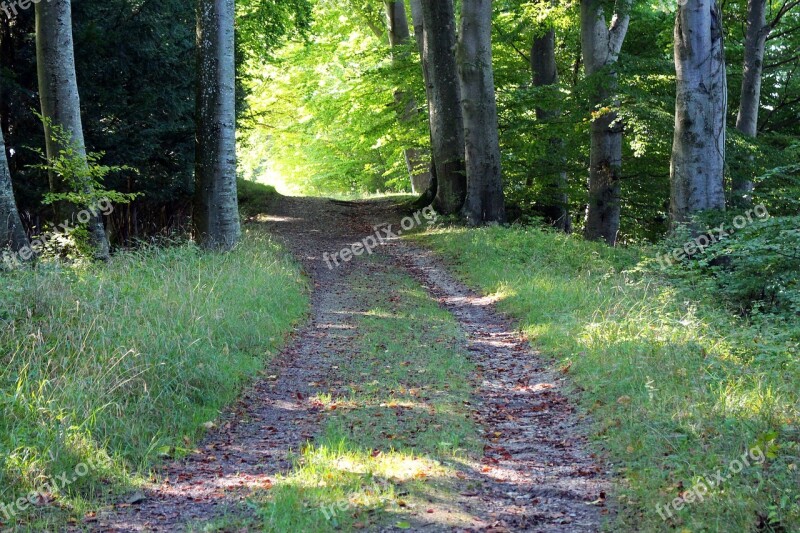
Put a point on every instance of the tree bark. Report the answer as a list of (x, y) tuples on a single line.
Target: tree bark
[(12, 234), (419, 30), (447, 127), (60, 101), (419, 36), (216, 206), (698, 153), (755, 42), (399, 33), (601, 45), (399, 36), (484, 199), (545, 73)]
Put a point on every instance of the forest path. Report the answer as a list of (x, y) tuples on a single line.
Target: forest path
[(533, 474)]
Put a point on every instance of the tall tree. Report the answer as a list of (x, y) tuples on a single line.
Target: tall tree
[(216, 208), (698, 152), (755, 43), (60, 101), (484, 199), (545, 73), (601, 44), (419, 36), (446, 118), (399, 37), (12, 234)]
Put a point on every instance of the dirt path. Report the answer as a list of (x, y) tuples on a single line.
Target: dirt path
[(535, 474)]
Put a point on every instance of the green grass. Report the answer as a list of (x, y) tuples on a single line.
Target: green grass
[(392, 443), (255, 198), (122, 364), (678, 386)]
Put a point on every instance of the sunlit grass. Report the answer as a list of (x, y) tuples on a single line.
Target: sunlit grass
[(678, 386)]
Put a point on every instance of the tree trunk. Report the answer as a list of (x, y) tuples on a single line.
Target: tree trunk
[(545, 73), (601, 46), (399, 35), (484, 199), (419, 36), (447, 127), (12, 234), (216, 207), (698, 153), (754, 48), (58, 93)]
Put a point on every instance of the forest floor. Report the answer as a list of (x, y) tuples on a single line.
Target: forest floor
[(406, 402)]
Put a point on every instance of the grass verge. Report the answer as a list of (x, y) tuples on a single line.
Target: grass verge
[(680, 388), (255, 198), (105, 370)]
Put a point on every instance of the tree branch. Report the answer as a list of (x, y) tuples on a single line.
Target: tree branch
[(619, 26), (785, 8)]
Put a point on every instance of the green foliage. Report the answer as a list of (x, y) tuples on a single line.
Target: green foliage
[(761, 268), (123, 364), (323, 114), (262, 25), (80, 172), (755, 267), (755, 270)]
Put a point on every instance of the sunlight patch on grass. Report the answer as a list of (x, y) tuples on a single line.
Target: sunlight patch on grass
[(334, 487)]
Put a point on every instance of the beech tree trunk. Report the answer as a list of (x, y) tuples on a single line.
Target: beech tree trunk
[(754, 49), (484, 199), (698, 153), (12, 234), (419, 36), (216, 206), (60, 101), (601, 45), (545, 73), (399, 35), (447, 126), (755, 42)]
